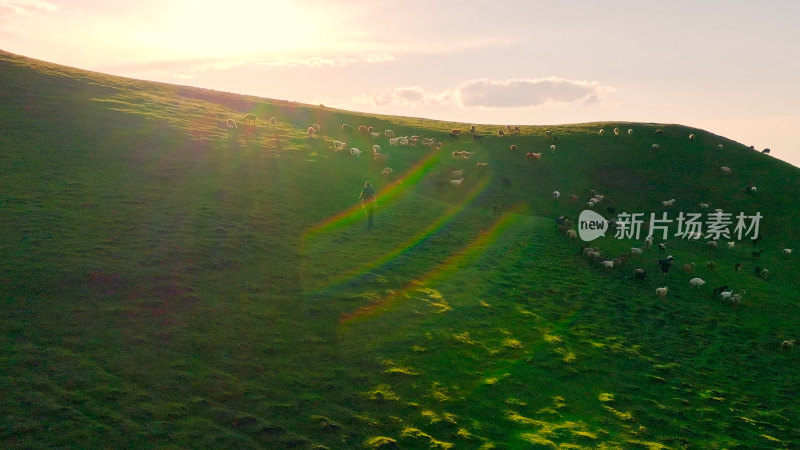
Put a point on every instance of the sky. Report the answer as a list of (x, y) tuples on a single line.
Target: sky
[(730, 67)]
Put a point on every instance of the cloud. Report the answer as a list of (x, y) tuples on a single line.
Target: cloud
[(404, 95), (515, 93), (26, 7), (518, 93)]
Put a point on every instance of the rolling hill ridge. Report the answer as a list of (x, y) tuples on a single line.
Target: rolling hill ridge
[(170, 281)]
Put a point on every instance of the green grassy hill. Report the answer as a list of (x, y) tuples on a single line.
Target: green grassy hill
[(168, 282)]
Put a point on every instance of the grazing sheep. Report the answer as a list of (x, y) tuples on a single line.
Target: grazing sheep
[(310, 131), (231, 124), (662, 246), (556, 195), (272, 121), (457, 174), (376, 148), (726, 295), (704, 205), (482, 164), (669, 202), (250, 119), (553, 148), (639, 273), (462, 154), (752, 189), (316, 127), (720, 290), (691, 138), (655, 147), (649, 242), (697, 282), (346, 128), (456, 182), (636, 251), (600, 133), (659, 132), (688, 268), (731, 244), (662, 292), (362, 129), (736, 298), (630, 131), (719, 146), (757, 254), (608, 265), (572, 234), (380, 156), (787, 252), (512, 147), (374, 135), (765, 151), (712, 244), (616, 131), (534, 155), (355, 152), (339, 146), (455, 132), (517, 130), (388, 133), (501, 133), (574, 199), (725, 170), (394, 141), (762, 273), (788, 345), (387, 171), (665, 264)]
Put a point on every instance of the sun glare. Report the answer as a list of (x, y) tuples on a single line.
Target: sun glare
[(207, 28)]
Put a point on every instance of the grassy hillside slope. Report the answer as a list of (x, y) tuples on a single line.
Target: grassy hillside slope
[(166, 282)]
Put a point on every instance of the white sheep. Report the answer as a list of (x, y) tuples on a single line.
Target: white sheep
[(600, 133), (456, 182), (662, 292), (788, 345), (712, 244), (669, 202), (630, 131), (376, 148), (572, 234), (636, 251), (316, 127), (339, 146), (231, 124), (704, 205), (457, 174), (691, 137), (725, 170), (616, 131), (374, 135), (482, 164), (355, 152), (556, 195), (387, 171), (607, 264), (787, 252), (394, 141), (697, 282), (388, 133), (552, 148), (731, 244), (272, 121), (649, 242), (719, 146), (753, 189), (310, 131), (655, 147), (380, 156)]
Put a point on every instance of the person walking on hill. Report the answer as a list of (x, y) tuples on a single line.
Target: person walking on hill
[(367, 198)]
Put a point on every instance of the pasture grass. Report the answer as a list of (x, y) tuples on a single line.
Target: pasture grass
[(167, 282)]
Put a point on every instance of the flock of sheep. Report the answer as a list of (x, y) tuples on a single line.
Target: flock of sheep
[(564, 225)]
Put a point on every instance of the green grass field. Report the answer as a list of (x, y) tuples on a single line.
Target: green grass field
[(168, 283)]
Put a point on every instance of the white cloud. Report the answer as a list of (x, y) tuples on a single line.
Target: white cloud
[(26, 7), (516, 93)]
